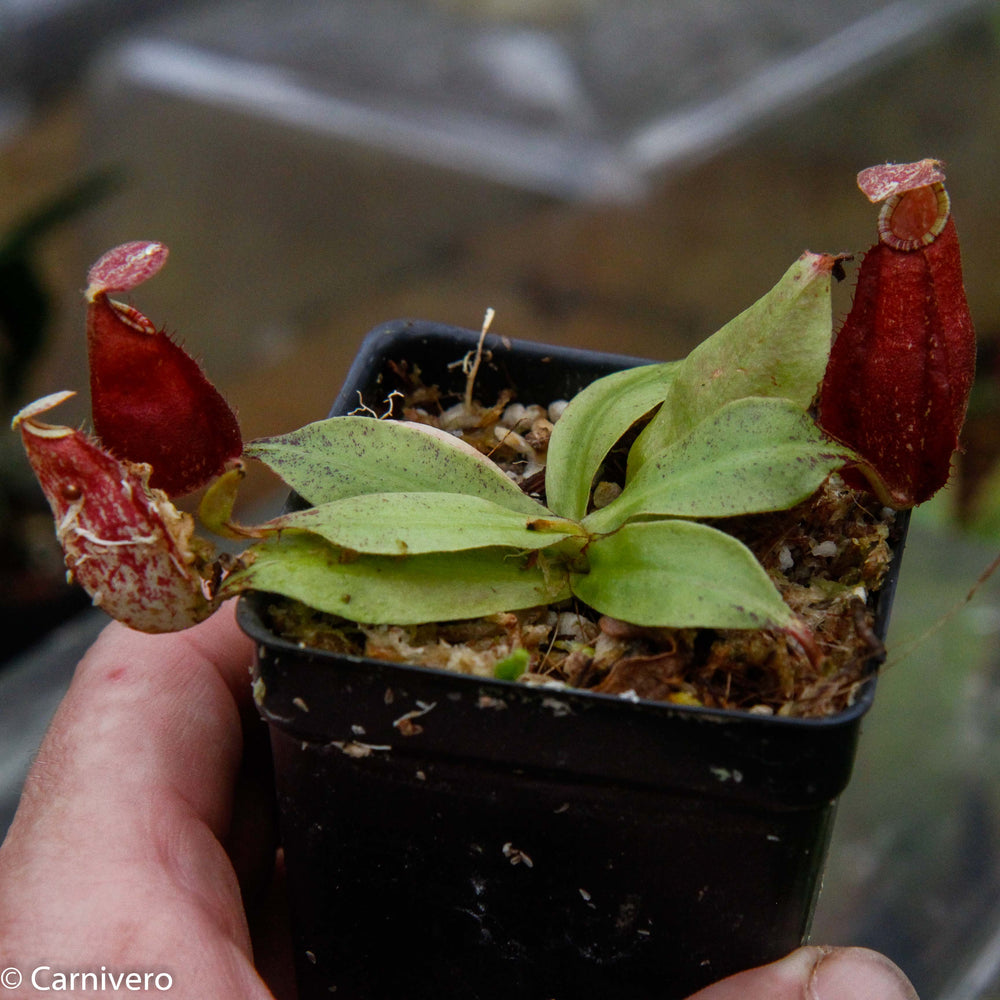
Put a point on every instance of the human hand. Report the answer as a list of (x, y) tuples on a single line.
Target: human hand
[(145, 842), (145, 834)]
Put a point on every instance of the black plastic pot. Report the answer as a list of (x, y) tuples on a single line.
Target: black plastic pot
[(451, 837)]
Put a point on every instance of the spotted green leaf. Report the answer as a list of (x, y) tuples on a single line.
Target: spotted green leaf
[(347, 456), (779, 346), (393, 590), (680, 574), (590, 426), (413, 523), (752, 455)]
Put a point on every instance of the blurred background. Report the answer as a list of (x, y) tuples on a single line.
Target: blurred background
[(618, 174)]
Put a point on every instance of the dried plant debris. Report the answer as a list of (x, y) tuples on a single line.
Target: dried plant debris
[(827, 557)]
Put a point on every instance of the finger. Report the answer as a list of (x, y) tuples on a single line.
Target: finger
[(154, 711), (817, 973), (115, 853)]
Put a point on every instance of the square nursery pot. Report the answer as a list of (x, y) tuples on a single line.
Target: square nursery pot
[(449, 836)]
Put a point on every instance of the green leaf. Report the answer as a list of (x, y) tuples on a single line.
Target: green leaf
[(679, 574), (413, 523), (393, 590), (590, 426), (752, 455), (777, 347), (348, 456), (511, 667)]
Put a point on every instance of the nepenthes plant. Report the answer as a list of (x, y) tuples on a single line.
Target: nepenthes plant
[(405, 523)]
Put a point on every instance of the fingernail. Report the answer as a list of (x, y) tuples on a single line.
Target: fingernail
[(857, 974), (797, 966)]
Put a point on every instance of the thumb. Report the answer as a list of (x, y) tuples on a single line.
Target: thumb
[(817, 973)]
